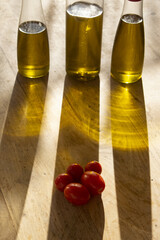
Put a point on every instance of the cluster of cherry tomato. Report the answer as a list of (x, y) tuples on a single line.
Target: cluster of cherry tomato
[(79, 185)]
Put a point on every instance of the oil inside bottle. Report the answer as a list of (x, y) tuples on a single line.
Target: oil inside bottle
[(33, 49), (128, 49), (83, 39)]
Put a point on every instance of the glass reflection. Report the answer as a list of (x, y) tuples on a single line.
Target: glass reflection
[(81, 107), (26, 112), (128, 117), (79, 126)]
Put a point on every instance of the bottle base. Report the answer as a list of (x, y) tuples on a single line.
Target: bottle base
[(33, 72), (126, 78), (83, 76)]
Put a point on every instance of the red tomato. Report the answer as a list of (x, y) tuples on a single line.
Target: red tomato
[(76, 193), (93, 166), (62, 180), (76, 171), (93, 182)]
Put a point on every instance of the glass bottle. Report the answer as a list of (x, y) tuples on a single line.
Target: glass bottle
[(83, 37), (32, 43), (128, 48)]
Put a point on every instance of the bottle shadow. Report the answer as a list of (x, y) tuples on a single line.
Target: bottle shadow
[(78, 143), (18, 146), (131, 160)]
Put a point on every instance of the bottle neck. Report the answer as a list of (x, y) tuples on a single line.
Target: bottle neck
[(31, 10), (133, 7)]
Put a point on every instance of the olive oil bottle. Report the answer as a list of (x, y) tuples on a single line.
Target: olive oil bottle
[(83, 38), (128, 48), (32, 43)]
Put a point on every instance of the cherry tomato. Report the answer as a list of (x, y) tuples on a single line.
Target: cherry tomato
[(76, 171), (93, 182), (93, 166), (76, 193), (62, 180)]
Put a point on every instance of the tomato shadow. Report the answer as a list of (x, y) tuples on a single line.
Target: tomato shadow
[(131, 160), (18, 147), (78, 143)]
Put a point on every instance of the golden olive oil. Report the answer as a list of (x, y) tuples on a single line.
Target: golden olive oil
[(33, 49), (83, 39), (128, 49)]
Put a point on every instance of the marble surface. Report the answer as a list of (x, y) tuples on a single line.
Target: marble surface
[(48, 123)]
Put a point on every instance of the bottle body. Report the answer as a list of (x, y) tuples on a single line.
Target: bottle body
[(32, 45), (83, 38), (128, 49)]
